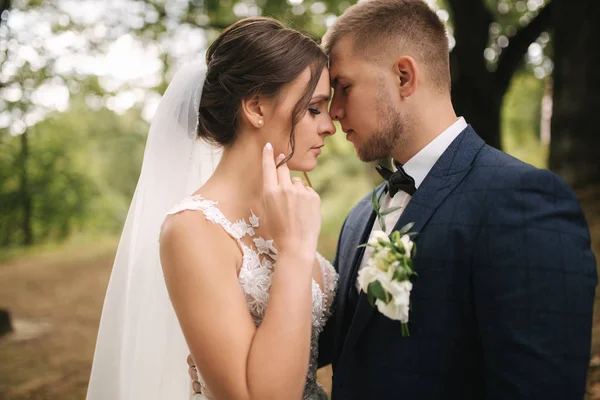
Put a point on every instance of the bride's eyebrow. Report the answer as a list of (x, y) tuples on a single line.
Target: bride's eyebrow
[(321, 97)]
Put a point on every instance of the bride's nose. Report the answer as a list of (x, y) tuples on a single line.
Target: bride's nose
[(327, 128)]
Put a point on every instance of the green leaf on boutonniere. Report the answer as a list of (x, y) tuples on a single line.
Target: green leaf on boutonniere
[(406, 228), (389, 211), (414, 250), (405, 330), (375, 202), (376, 291), (400, 274)]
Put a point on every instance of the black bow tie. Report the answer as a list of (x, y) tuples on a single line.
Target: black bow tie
[(398, 180)]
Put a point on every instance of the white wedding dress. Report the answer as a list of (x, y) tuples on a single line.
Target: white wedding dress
[(255, 276)]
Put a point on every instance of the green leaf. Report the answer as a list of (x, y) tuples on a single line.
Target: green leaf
[(400, 274), (406, 228), (390, 210), (376, 290), (375, 202), (405, 331), (363, 245), (371, 299)]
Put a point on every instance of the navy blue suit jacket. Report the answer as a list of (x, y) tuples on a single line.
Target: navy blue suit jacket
[(502, 304)]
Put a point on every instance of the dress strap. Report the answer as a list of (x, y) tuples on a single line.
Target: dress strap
[(236, 230)]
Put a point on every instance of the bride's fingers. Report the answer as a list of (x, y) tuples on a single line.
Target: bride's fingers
[(269, 168), (190, 360), (197, 387), (192, 373), (283, 172), (298, 182)]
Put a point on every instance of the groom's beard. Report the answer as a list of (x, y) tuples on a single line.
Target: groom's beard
[(382, 141)]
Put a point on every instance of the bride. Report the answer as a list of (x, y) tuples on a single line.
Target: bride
[(231, 274)]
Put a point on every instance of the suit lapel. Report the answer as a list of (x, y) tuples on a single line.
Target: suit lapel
[(443, 178), (364, 219)]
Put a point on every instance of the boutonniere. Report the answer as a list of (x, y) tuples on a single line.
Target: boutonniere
[(386, 277)]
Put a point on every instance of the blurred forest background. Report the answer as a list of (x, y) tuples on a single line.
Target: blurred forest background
[(80, 80)]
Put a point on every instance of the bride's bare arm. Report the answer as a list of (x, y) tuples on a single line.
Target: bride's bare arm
[(236, 359)]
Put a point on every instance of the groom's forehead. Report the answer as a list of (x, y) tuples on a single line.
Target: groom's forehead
[(342, 56), (345, 67)]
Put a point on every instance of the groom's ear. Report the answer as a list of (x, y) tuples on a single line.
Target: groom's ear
[(252, 109), (406, 70)]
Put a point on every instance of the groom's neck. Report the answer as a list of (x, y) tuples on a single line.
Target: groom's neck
[(425, 124)]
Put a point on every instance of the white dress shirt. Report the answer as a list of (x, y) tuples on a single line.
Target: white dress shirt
[(417, 167)]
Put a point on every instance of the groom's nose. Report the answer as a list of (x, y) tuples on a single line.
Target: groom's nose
[(336, 110)]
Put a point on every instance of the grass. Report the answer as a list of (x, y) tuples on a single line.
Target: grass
[(56, 294)]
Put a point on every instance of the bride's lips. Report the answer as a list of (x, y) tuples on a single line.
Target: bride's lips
[(316, 149)]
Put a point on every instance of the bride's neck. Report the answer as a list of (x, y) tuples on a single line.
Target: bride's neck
[(239, 173)]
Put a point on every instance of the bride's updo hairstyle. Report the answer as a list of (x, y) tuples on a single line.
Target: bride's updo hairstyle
[(254, 56)]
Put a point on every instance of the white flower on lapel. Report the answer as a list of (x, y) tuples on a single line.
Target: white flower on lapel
[(408, 244), (377, 237), (386, 277)]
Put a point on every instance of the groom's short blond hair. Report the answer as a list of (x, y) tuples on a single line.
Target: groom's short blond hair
[(380, 28)]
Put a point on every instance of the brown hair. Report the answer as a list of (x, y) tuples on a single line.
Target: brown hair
[(377, 25), (254, 56)]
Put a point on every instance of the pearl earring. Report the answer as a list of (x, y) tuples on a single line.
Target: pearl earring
[(260, 122)]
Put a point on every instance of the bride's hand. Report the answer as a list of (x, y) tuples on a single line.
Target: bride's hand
[(193, 372), (292, 210)]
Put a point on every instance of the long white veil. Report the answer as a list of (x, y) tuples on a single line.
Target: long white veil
[(141, 352)]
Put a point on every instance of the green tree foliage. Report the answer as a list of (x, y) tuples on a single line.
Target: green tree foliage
[(82, 169), (65, 170)]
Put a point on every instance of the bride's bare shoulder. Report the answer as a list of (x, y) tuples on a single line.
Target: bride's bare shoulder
[(188, 234)]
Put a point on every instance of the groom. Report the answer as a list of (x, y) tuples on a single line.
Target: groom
[(502, 304)]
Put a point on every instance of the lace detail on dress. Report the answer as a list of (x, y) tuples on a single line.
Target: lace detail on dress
[(255, 276)]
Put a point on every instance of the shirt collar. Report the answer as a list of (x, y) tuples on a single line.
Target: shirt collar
[(421, 163)]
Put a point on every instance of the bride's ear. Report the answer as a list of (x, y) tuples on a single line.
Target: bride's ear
[(253, 109)]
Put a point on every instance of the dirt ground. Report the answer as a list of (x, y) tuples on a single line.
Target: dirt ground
[(55, 299)]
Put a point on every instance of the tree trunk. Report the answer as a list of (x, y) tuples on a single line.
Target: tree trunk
[(5, 322), (575, 136), (25, 192), (473, 89), (477, 92), (480, 108)]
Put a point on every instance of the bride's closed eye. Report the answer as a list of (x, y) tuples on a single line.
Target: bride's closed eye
[(314, 111)]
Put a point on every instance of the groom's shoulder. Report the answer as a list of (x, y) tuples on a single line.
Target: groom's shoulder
[(498, 170)]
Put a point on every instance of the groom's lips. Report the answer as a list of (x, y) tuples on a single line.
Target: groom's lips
[(348, 133)]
